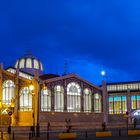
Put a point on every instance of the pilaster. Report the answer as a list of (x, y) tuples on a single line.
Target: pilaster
[(52, 98), (105, 101), (16, 102), (92, 99), (1, 69), (65, 96), (82, 98), (36, 98)]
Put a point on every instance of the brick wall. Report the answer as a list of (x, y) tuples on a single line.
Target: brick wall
[(116, 118), (75, 117)]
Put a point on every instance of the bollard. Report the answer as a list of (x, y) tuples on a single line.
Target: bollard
[(1, 135), (119, 132), (29, 135), (13, 135), (86, 135), (48, 136)]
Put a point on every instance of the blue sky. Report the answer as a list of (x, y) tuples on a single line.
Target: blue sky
[(89, 35)]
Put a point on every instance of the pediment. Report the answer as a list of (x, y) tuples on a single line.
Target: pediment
[(70, 78)]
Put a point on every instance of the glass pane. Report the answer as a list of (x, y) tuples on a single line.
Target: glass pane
[(73, 97)]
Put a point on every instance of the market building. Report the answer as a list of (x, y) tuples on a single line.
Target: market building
[(29, 97)]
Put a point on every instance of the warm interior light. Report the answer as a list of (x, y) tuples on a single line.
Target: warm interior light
[(31, 87), (45, 87), (0, 104)]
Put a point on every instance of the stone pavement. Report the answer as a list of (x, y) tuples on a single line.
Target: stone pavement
[(43, 136)]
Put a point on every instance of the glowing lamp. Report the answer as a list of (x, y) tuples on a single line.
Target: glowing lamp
[(31, 87)]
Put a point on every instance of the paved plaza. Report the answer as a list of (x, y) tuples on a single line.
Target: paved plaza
[(54, 136)]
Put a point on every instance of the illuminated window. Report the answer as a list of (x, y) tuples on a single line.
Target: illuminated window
[(119, 87), (36, 65), (21, 64), (41, 66), (16, 65), (124, 104), (138, 101), (133, 86), (59, 98), (8, 92), (139, 85), (125, 87), (97, 103), (73, 97), (11, 70), (45, 100), (108, 88), (117, 104), (28, 63), (25, 100), (135, 102), (111, 105), (87, 100)]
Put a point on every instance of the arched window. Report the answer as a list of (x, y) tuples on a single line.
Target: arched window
[(21, 64), (97, 102), (73, 97), (41, 66), (16, 65), (87, 100), (36, 65), (45, 100), (59, 98), (8, 92), (25, 100), (28, 63)]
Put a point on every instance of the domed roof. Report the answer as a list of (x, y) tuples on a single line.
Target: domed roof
[(29, 63)]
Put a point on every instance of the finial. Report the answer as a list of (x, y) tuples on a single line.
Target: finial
[(65, 68)]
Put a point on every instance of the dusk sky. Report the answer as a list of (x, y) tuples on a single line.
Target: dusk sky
[(90, 35)]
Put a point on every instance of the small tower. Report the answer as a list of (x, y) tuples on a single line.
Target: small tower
[(65, 68), (30, 64)]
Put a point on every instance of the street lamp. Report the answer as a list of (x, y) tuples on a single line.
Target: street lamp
[(38, 126), (31, 88), (127, 117)]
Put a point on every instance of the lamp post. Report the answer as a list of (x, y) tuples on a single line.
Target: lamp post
[(127, 117), (38, 126), (31, 88)]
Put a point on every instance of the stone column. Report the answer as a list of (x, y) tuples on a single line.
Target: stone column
[(82, 97), (105, 101), (129, 105), (52, 98), (36, 98), (92, 99), (36, 83), (128, 101), (65, 96), (1, 69), (16, 102)]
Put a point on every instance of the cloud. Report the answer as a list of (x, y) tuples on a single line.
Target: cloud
[(98, 33)]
